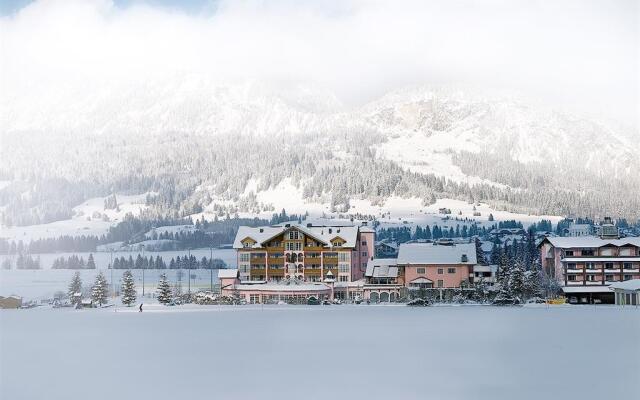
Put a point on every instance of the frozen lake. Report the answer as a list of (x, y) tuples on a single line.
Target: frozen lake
[(43, 283), (321, 352)]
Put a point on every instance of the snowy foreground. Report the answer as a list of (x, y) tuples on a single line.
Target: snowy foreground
[(321, 352)]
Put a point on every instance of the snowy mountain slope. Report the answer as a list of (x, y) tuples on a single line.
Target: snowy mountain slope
[(202, 145)]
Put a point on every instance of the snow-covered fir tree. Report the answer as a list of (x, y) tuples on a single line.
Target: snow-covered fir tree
[(128, 289), (164, 290), (100, 290), (75, 289)]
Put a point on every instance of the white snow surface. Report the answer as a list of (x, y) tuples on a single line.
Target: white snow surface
[(85, 220), (317, 352)]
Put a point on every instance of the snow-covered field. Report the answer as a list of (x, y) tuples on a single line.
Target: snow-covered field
[(38, 284), (317, 352)]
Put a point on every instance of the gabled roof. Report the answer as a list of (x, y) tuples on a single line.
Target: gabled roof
[(322, 234), (431, 253), (228, 273)]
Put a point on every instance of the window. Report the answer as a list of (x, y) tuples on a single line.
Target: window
[(421, 270), (343, 267), (627, 277), (568, 253), (343, 279), (591, 265), (606, 252), (440, 283), (451, 270), (440, 271), (591, 278), (608, 265), (571, 266), (293, 235), (608, 277), (246, 245), (364, 254), (627, 265), (244, 257), (625, 251), (588, 252), (364, 242), (571, 277), (343, 256)]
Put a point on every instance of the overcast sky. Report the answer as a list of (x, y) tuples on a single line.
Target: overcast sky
[(581, 54)]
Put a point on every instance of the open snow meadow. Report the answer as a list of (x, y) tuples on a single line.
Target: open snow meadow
[(320, 352)]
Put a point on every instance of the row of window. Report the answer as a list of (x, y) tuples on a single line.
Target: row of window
[(594, 278), (607, 265), (451, 270), (607, 251)]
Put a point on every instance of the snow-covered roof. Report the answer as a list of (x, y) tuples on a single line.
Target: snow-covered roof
[(228, 273), (586, 289), (382, 268), (487, 246), (590, 241), (485, 268), (431, 253), (632, 284), (324, 234)]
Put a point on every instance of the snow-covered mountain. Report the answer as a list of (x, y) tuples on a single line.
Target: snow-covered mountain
[(199, 144)]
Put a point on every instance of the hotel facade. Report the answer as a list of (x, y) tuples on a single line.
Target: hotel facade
[(303, 252), (585, 266)]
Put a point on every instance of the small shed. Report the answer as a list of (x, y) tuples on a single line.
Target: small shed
[(10, 302), (627, 292)]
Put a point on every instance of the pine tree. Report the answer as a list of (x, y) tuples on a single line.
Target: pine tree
[(99, 292), (91, 264), (75, 288), (479, 253), (128, 289), (164, 290), (516, 281)]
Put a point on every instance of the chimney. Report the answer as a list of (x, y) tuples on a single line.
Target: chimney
[(261, 230)]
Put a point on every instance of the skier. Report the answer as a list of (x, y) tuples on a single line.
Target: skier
[(140, 307)]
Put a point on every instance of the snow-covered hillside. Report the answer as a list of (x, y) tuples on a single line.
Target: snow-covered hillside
[(250, 148)]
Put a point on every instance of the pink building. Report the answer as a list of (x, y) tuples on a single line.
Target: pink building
[(420, 266)]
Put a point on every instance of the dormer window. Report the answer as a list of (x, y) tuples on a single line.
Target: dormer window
[(293, 235), (246, 245)]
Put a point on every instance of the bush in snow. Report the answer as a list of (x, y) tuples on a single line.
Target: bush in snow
[(75, 289), (164, 290), (128, 289), (99, 292)]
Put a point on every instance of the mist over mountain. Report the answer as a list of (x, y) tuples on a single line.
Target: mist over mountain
[(196, 143)]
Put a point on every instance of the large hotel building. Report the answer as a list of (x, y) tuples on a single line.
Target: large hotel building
[(303, 252), (585, 266)]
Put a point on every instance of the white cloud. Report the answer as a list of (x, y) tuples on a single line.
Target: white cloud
[(580, 53)]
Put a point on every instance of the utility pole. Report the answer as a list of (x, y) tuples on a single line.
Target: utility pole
[(113, 284), (211, 265), (142, 270)]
